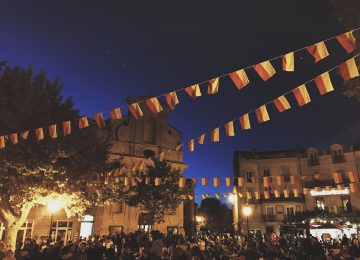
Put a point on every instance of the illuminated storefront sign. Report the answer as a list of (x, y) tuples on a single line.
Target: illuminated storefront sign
[(329, 192)]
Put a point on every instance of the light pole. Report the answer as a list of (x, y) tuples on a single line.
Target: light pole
[(247, 212), (53, 205)]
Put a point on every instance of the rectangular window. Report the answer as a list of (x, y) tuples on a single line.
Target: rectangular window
[(285, 171), (248, 175), (61, 230), (266, 173), (290, 211), (345, 200)]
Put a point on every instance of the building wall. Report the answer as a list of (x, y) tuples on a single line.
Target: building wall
[(132, 141), (313, 168)]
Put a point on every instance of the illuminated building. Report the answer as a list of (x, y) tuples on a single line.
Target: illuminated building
[(314, 171)]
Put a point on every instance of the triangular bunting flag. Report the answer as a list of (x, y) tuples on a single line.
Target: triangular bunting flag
[(2, 142), (288, 62), (39, 132), (318, 51), (172, 99), (201, 139), (281, 104), (347, 40), (213, 87), (193, 91), (99, 119), (67, 128), (115, 114), (348, 69), (229, 128), (239, 78), (52, 131), (24, 135), (265, 70), (14, 138), (245, 122), (83, 122), (215, 135), (323, 83), (204, 181), (154, 105), (262, 114), (135, 110), (302, 96), (191, 145)]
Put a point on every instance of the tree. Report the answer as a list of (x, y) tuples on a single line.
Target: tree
[(218, 216), (32, 172), (156, 200), (347, 12)]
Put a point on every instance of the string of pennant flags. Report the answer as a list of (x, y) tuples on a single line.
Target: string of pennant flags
[(347, 69), (266, 181), (240, 79)]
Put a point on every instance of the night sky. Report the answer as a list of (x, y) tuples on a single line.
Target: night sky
[(105, 51)]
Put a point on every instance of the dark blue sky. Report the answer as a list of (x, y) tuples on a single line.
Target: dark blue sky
[(105, 51)]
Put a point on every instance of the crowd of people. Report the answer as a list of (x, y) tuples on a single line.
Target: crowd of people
[(202, 246)]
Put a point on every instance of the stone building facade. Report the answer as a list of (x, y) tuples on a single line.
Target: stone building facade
[(313, 168), (133, 140)]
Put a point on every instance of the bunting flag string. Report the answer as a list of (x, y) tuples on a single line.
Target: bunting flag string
[(348, 70), (286, 192), (240, 79)]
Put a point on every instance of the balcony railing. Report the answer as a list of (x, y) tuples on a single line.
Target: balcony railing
[(313, 161), (338, 159), (270, 218)]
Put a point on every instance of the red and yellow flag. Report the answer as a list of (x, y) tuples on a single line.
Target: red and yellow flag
[(213, 87), (296, 193), (52, 131), (193, 91), (338, 178), (217, 195), (288, 61), (157, 181), (2, 142), (262, 114), (24, 135), (340, 187), (241, 181), (277, 193), (354, 187), (347, 40), (67, 128), (323, 83), (154, 105), (229, 128), (115, 114), (286, 193), (83, 122), (294, 179), (302, 96), (228, 182), (266, 180), (257, 195), (215, 136), (248, 195), (306, 191), (14, 138), (172, 99), (239, 78), (280, 180), (191, 145), (147, 180), (245, 122), (99, 119), (348, 69), (318, 51), (201, 139), (135, 110), (216, 182), (39, 133), (204, 181), (353, 177), (266, 195), (281, 104), (265, 70), (182, 182), (177, 148)]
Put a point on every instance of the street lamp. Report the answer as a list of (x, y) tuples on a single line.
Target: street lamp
[(247, 211), (53, 205)]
